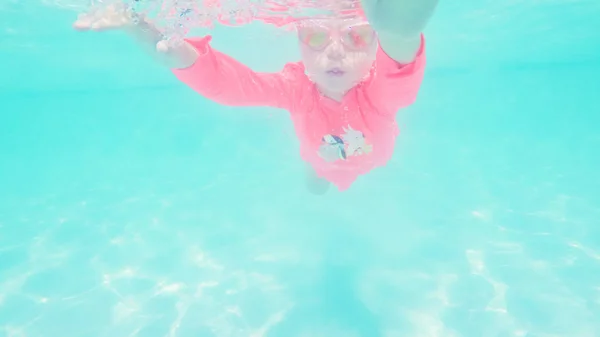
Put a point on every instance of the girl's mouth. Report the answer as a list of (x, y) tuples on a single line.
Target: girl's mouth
[(336, 72)]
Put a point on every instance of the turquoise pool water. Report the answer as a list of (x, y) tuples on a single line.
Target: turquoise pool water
[(129, 206)]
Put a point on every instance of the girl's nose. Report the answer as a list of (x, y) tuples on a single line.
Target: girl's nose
[(335, 51)]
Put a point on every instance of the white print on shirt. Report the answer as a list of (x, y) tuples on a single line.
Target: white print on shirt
[(351, 143)]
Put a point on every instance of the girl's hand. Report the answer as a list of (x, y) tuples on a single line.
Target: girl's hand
[(107, 18)]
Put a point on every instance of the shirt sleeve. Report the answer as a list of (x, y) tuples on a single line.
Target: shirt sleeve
[(221, 78), (394, 85)]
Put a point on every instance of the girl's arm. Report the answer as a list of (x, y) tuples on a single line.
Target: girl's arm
[(211, 73), (178, 56), (113, 17), (399, 24), (223, 79)]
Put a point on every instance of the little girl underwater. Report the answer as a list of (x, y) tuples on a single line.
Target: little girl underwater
[(343, 96)]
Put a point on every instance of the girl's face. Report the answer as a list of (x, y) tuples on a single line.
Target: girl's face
[(337, 53)]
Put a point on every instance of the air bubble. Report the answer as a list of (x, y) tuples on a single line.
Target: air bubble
[(176, 18)]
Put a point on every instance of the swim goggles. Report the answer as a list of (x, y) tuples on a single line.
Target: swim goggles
[(354, 37)]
